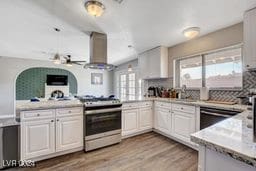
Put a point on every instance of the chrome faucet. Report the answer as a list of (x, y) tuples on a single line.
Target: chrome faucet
[(183, 91)]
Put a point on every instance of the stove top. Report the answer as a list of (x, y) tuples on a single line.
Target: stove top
[(99, 101)]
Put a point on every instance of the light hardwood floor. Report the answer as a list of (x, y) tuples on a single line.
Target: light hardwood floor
[(147, 152)]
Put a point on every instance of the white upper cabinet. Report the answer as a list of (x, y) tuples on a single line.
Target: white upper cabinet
[(249, 59), (154, 63)]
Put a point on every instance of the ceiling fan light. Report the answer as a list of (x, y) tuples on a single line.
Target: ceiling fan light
[(94, 8), (56, 59), (191, 32), (69, 65)]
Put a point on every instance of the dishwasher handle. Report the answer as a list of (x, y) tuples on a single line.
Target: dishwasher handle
[(215, 114)]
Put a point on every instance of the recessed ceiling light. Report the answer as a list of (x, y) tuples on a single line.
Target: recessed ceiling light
[(191, 32), (94, 8)]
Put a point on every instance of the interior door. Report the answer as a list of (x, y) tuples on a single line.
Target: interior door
[(38, 138), (69, 133)]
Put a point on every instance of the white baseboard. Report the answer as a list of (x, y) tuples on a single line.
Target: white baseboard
[(57, 154), (194, 146), (137, 133)]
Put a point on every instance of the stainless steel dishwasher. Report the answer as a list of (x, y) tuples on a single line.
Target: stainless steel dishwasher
[(210, 116), (9, 142)]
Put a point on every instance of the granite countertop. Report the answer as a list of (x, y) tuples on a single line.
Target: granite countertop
[(8, 122), (231, 137), (50, 104), (192, 102)]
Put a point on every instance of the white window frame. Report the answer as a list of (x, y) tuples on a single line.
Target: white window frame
[(176, 79), (138, 92)]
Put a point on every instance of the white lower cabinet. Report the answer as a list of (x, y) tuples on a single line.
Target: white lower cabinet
[(183, 124), (136, 118), (145, 118), (163, 119), (69, 133), (42, 133), (130, 118), (38, 138)]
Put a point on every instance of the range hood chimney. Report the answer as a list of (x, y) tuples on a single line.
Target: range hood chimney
[(98, 52)]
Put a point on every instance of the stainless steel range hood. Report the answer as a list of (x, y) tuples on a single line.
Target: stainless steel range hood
[(98, 52)]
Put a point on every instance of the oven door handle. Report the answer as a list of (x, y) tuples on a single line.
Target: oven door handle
[(90, 112), (214, 114)]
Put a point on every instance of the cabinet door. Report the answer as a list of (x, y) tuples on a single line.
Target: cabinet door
[(37, 138), (145, 118), (249, 49), (69, 133), (183, 124), (144, 65), (163, 120), (130, 121)]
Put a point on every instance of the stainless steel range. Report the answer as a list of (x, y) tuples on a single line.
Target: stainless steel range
[(102, 122)]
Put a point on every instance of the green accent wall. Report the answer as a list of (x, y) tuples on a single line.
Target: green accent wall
[(31, 82)]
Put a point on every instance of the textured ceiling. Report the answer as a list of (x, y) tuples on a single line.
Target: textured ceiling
[(27, 25)]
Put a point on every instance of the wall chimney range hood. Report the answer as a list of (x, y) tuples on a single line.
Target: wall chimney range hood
[(98, 52)]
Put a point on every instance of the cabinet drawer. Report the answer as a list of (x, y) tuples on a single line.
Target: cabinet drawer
[(69, 111), (163, 105), (145, 104), (184, 108), (130, 106), (37, 114)]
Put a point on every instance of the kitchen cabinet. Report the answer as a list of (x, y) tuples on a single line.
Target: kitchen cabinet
[(136, 118), (48, 132), (130, 121), (183, 124), (145, 118), (249, 50), (154, 63), (163, 119), (38, 138), (69, 133)]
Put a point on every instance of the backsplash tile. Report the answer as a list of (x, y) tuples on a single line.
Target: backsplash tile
[(249, 82)]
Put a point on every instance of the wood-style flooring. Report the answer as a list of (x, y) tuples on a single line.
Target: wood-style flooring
[(147, 152)]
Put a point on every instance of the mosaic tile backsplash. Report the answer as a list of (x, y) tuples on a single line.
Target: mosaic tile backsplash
[(249, 82), (31, 82)]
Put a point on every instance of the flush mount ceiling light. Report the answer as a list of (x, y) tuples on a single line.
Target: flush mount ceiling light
[(94, 8), (191, 32)]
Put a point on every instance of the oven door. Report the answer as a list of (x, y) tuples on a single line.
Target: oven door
[(101, 121)]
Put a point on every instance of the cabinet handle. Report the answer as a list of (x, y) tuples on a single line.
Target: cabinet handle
[(38, 114), (181, 108), (247, 65), (58, 120), (69, 111), (52, 120)]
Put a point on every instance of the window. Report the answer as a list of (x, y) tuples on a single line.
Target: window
[(220, 69), (191, 72), (224, 69)]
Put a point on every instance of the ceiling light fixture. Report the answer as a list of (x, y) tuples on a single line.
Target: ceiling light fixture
[(129, 68), (56, 59), (191, 32), (94, 8)]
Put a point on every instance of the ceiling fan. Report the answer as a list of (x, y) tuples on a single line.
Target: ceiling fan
[(58, 59), (69, 62)]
